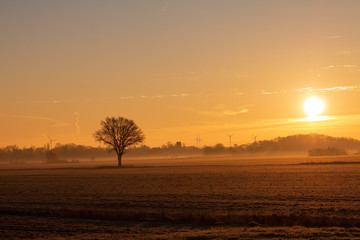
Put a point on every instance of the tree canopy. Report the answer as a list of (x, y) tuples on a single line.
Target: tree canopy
[(119, 133)]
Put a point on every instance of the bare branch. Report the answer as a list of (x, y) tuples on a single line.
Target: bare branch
[(119, 133)]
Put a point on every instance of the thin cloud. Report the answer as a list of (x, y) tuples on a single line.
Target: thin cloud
[(268, 125), (332, 67), (214, 126), (55, 123), (181, 95), (221, 110), (40, 102), (53, 101), (158, 96), (77, 122), (328, 67), (343, 53), (333, 37), (314, 119), (264, 92), (165, 7), (127, 97), (337, 89), (231, 112), (333, 89), (307, 89)]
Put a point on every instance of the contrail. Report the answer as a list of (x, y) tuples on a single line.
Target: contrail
[(165, 7), (56, 123), (77, 122)]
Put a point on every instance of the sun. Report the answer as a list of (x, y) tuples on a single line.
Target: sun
[(313, 106)]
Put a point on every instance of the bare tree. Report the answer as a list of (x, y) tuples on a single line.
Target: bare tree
[(119, 133)]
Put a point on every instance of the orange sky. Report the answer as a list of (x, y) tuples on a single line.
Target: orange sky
[(177, 68)]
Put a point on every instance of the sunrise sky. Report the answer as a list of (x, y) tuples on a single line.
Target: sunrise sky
[(177, 68)]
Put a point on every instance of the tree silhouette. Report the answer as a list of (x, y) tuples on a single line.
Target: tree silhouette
[(119, 133)]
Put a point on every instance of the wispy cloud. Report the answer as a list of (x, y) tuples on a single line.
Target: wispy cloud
[(53, 101), (55, 123), (127, 97), (333, 37), (232, 112), (275, 124), (221, 110), (343, 53), (332, 67), (159, 96), (264, 92), (40, 102), (165, 7), (77, 122), (337, 89), (334, 89), (314, 119), (308, 89)]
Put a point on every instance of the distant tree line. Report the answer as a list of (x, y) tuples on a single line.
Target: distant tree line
[(295, 143), (330, 151), (15, 154)]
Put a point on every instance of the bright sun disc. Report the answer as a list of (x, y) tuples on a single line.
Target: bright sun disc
[(313, 106)]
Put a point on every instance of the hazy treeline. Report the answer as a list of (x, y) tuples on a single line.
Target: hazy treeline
[(295, 143), (330, 151), (169, 149), (16, 154)]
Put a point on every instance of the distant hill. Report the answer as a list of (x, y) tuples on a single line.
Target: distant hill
[(302, 142)]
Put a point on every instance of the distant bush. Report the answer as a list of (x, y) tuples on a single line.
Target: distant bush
[(52, 157), (217, 149), (330, 151)]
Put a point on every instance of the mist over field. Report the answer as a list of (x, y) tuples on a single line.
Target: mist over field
[(254, 197), (302, 186), (178, 119), (174, 153)]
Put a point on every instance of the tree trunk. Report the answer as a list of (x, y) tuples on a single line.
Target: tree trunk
[(119, 160)]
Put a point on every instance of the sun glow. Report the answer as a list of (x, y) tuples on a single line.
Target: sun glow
[(313, 106)]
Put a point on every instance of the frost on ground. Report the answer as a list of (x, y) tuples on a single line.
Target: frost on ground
[(182, 202), (25, 227)]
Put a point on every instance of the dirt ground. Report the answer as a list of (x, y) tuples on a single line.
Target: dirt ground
[(184, 201), (26, 227)]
